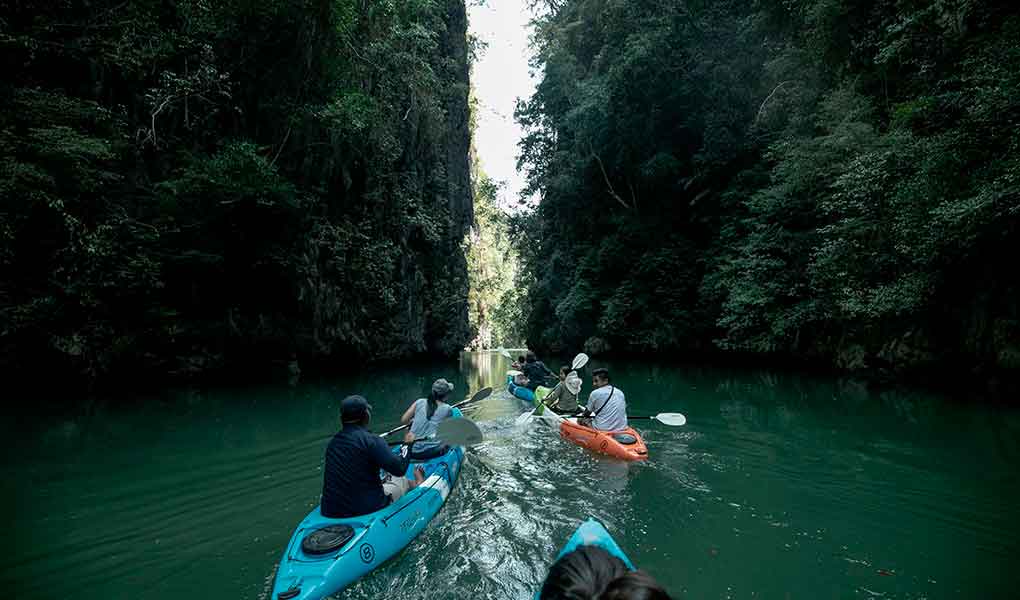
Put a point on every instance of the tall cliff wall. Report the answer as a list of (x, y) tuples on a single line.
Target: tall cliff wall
[(248, 186)]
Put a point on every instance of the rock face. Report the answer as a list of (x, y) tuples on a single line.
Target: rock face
[(253, 189), (447, 328), (426, 211), (383, 274)]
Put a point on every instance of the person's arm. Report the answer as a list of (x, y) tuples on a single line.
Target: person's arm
[(588, 411), (546, 369), (387, 460), (553, 397), (409, 413)]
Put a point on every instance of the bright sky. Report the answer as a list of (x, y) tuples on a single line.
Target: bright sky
[(500, 76)]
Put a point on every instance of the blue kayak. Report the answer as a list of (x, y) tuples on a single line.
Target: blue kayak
[(518, 390), (326, 555), (524, 393), (592, 533)]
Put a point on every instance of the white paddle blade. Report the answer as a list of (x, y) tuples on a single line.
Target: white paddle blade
[(459, 432), (548, 416), (579, 361), (524, 418), (671, 419), (504, 352)]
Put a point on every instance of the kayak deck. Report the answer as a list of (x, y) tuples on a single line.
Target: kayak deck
[(625, 444)]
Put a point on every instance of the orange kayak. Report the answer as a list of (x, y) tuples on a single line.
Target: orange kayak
[(626, 444)]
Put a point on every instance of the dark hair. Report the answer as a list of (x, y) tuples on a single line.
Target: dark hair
[(433, 401), (520, 358), (564, 370), (592, 573), (532, 357), (634, 585), (601, 373), (582, 574)]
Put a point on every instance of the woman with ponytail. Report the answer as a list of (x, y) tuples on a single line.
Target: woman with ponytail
[(425, 415)]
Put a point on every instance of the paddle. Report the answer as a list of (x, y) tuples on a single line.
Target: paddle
[(671, 419), (481, 394), (454, 432)]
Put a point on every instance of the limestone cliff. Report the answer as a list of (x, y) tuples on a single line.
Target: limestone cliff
[(279, 184)]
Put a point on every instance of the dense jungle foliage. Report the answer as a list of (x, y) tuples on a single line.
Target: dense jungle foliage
[(836, 180), (191, 184)]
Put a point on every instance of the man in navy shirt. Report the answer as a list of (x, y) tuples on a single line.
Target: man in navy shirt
[(350, 484)]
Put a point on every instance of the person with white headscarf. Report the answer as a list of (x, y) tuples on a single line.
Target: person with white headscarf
[(563, 398)]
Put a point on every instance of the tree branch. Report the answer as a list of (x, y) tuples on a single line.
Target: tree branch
[(605, 176), (762, 109), (282, 144)]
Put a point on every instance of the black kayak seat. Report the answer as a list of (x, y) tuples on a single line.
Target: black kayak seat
[(327, 539), (625, 438)]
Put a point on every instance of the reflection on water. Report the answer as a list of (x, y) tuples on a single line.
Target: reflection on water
[(779, 486)]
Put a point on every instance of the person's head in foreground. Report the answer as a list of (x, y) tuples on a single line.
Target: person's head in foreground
[(355, 410), (592, 573)]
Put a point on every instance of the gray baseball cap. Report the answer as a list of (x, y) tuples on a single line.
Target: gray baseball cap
[(442, 387)]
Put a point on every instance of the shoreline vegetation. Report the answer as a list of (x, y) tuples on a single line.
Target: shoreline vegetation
[(816, 182), (196, 191)]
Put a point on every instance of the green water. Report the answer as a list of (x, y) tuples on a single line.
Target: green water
[(778, 487)]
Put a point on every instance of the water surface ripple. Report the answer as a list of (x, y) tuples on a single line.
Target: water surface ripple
[(778, 487)]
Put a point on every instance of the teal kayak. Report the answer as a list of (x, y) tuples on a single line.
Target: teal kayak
[(591, 533), (326, 555), (531, 396)]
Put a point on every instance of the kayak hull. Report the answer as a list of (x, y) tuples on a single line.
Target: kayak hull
[(377, 536), (611, 443)]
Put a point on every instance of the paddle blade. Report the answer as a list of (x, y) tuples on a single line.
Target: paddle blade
[(524, 418), (579, 361), (505, 353), (671, 419), (481, 394), (459, 432)]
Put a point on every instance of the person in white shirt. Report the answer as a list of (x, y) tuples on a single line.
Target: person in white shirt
[(607, 406)]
